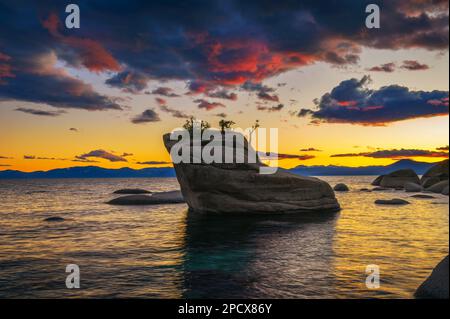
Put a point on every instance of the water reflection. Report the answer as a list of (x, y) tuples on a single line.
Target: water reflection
[(245, 256)]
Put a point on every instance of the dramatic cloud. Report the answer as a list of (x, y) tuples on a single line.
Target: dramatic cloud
[(396, 154), (352, 102), (39, 112), (208, 106), (73, 129), (387, 67), (101, 154), (414, 66), (146, 117), (131, 82), (164, 91), (223, 44), (87, 52), (443, 148)]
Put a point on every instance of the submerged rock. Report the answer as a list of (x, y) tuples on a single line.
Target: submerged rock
[(240, 188), (424, 196), (413, 187), (341, 187), (436, 285), (435, 174), (379, 189), (394, 201), (397, 179), (172, 197), (365, 190), (438, 188), (132, 191), (54, 219)]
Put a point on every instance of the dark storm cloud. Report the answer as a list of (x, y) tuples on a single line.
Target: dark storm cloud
[(396, 153), (354, 103), (101, 154), (221, 43), (39, 112), (146, 117)]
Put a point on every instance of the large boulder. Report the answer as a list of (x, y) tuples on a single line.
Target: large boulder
[(241, 188), (397, 179), (436, 285), (435, 174), (413, 187), (438, 187)]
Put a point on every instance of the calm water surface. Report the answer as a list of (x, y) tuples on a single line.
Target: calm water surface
[(167, 252)]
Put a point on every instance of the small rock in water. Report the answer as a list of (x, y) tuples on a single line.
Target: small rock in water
[(172, 197), (422, 196), (395, 201), (54, 219), (341, 187), (365, 190), (132, 191)]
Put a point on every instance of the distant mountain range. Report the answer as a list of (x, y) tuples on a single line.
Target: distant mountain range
[(99, 172)]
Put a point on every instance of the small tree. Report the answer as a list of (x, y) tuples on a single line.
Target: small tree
[(189, 125), (254, 128), (225, 125)]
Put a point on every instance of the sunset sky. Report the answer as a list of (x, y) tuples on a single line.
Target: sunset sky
[(339, 93)]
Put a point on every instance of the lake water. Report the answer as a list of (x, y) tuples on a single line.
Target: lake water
[(167, 252)]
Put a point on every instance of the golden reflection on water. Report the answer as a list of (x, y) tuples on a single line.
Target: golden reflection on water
[(166, 252)]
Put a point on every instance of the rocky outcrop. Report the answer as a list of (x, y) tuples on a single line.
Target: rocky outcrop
[(445, 191), (435, 174), (395, 201), (438, 187), (413, 187), (240, 188), (397, 179), (436, 285), (172, 197), (341, 187), (132, 191)]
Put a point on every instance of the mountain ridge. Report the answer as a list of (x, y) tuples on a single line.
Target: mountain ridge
[(126, 172)]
